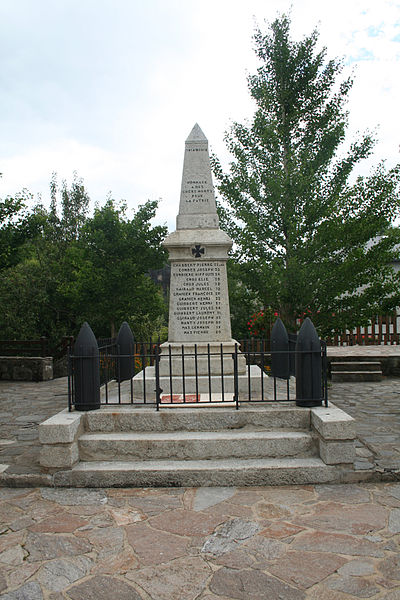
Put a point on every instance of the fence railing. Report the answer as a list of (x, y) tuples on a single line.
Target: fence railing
[(38, 347), (385, 330), (187, 376)]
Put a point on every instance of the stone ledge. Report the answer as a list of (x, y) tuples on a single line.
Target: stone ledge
[(62, 428), (332, 423), (56, 456), (336, 453)]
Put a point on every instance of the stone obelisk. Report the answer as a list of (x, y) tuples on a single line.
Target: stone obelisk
[(198, 251)]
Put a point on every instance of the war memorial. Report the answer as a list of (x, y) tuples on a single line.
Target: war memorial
[(202, 414)]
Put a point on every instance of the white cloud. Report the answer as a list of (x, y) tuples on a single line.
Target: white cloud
[(111, 89)]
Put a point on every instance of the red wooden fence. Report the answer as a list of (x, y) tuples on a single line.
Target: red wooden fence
[(385, 331)]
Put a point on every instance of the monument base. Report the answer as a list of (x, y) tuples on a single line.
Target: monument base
[(255, 385), (201, 358)]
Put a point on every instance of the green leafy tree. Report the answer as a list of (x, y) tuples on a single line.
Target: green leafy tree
[(68, 208), (112, 281), (17, 227), (38, 250), (308, 237), (60, 267)]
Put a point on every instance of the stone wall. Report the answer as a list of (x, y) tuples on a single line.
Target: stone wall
[(26, 368), (390, 364)]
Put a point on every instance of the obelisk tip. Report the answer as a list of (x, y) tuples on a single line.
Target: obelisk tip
[(196, 135)]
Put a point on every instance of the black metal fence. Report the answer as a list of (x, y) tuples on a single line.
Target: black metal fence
[(38, 347), (261, 371)]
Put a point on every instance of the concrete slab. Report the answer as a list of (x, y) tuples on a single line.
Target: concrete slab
[(332, 423), (62, 428)]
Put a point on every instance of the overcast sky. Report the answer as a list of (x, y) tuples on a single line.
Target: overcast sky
[(112, 88)]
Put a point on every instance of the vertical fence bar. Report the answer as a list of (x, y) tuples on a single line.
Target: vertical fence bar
[(183, 374), (142, 350), (262, 369), (325, 372), (105, 362), (196, 373), (80, 360), (222, 374), (69, 367), (248, 369), (157, 370), (118, 351), (170, 372), (209, 371), (236, 377)]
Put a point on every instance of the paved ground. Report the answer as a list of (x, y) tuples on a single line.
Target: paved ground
[(314, 542), (376, 408)]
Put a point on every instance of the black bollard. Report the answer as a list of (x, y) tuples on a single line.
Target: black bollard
[(279, 351), (308, 366), (126, 350), (86, 370)]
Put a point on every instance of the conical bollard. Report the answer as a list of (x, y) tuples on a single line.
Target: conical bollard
[(279, 351), (86, 370), (308, 366), (125, 350)]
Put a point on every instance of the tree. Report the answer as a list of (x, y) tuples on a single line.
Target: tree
[(307, 239), (112, 281), (74, 208), (60, 267), (17, 227)]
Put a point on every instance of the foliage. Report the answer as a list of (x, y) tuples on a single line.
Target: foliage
[(16, 227), (305, 236), (117, 253), (242, 300), (61, 267)]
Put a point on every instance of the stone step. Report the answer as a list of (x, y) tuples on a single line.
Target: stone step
[(355, 376), (356, 366), (195, 445), (196, 473), (177, 418)]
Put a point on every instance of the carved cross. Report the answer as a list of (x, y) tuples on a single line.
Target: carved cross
[(197, 251)]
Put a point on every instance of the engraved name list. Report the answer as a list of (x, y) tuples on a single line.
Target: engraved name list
[(196, 290)]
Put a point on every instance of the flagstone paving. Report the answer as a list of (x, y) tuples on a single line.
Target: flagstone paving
[(187, 544)]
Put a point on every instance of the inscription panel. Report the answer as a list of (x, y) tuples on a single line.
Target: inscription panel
[(196, 190), (197, 311)]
